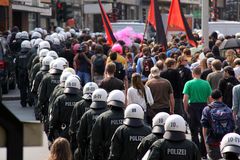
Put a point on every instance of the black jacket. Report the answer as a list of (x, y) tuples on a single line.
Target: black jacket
[(126, 140), (146, 144), (103, 130), (174, 150), (59, 118), (85, 129)]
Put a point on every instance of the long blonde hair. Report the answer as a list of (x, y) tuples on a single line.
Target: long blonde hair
[(60, 150)]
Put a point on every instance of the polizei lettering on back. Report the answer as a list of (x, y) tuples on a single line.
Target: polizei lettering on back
[(136, 138), (117, 122), (174, 151), (70, 104), (55, 81)]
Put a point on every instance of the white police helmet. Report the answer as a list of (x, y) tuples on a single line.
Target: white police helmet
[(69, 69), (99, 99), (49, 39), (237, 35), (18, 35), (37, 41), (43, 53), (56, 41), (175, 128), (44, 32), (53, 54), (44, 45), (61, 37), (40, 30), (68, 35), (72, 85), (54, 35), (116, 98), (26, 44), (88, 89), (158, 122), (46, 63), (36, 35), (25, 35), (64, 76), (134, 111), (64, 60), (57, 67), (230, 143), (133, 115)]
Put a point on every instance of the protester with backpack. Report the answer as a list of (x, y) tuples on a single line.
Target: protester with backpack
[(98, 64), (217, 120), (145, 63), (120, 70)]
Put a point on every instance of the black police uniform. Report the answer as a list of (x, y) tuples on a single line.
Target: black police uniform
[(34, 91), (103, 130), (79, 109), (85, 128), (58, 90), (146, 143), (126, 140), (59, 119), (22, 75), (174, 150), (36, 68), (46, 87)]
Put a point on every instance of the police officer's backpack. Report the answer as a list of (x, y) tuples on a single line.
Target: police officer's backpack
[(221, 121)]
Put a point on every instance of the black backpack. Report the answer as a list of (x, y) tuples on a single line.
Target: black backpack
[(99, 64), (147, 64), (120, 72)]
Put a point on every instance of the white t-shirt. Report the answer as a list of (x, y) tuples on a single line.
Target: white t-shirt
[(134, 97)]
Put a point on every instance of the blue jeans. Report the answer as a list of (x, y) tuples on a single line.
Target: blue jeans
[(85, 77)]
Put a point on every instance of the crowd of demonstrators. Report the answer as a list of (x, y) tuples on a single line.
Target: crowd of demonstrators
[(103, 99)]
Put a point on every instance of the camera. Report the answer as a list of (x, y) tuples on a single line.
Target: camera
[(82, 48)]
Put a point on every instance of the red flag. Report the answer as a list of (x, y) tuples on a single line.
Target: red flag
[(177, 19), (155, 19), (107, 25)]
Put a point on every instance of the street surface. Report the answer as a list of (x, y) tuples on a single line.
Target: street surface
[(25, 114)]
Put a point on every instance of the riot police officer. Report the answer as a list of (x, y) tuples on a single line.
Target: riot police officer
[(59, 89), (22, 72), (98, 106), (128, 136), (59, 118), (37, 80), (79, 109), (106, 124), (230, 146), (37, 66), (174, 144), (46, 87), (157, 133)]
